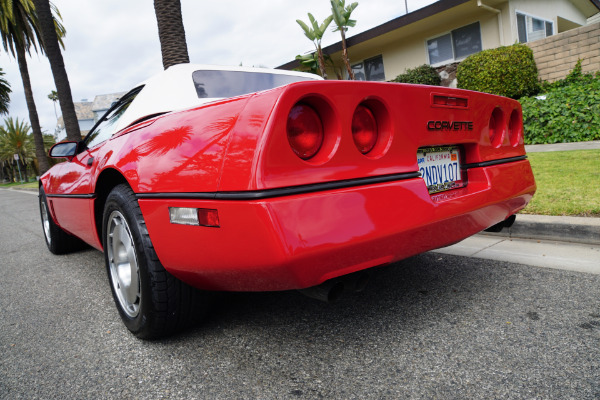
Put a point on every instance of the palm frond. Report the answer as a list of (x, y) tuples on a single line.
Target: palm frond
[(4, 93), (19, 26)]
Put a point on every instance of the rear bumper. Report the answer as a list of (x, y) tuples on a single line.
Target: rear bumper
[(298, 241)]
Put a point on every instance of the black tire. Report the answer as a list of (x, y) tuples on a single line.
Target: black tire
[(152, 302), (57, 240)]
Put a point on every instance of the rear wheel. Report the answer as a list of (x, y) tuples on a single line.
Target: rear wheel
[(57, 240), (152, 302)]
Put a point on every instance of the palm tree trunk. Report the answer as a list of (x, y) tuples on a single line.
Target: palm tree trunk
[(16, 173), (171, 33), (61, 80), (5, 171), (34, 168), (38, 139), (345, 55), (24, 170), (321, 62)]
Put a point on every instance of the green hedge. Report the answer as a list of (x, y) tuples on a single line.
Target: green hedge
[(423, 75), (568, 111), (507, 71)]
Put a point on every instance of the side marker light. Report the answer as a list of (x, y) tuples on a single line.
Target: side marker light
[(194, 216)]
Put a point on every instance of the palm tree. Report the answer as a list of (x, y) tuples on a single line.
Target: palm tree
[(171, 32), (53, 96), (52, 34), (341, 16), (315, 34), (19, 29), (310, 63), (15, 140), (4, 93)]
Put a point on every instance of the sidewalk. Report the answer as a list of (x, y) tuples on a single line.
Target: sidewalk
[(537, 148), (539, 253)]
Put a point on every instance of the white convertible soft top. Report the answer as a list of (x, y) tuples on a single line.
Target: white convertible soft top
[(174, 89)]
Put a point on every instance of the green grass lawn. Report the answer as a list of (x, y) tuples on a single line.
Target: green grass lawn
[(568, 183), (30, 185)]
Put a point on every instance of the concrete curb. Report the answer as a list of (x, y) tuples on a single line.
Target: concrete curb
[(542, 148), (23, 189), (561, 229)]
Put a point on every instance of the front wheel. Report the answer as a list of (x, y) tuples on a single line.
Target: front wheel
[(152, 302)]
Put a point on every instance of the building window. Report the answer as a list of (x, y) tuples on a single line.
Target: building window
[(531, 28), (455, 45), (369, 70)]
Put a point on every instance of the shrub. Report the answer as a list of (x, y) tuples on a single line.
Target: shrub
[(507, 71), (569, 111), (423, 74)]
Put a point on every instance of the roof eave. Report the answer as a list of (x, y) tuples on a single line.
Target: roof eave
[(396, 23), (404, 20)]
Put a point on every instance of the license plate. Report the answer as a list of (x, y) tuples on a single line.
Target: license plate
[(440, 168)]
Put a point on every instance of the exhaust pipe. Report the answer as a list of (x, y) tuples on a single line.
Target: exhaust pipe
[(331, 290), (510, 221), (328, 291), (507, 223)]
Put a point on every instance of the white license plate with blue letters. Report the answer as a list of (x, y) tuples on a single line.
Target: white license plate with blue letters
[(440, 168)]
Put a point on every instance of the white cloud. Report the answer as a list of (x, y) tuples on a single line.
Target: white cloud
[(111, 45)]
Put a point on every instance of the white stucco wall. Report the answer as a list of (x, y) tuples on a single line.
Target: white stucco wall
[(548, 10), (400, 55), (406, 47)]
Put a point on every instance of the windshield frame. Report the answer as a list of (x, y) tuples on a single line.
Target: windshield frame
[(126, 97)]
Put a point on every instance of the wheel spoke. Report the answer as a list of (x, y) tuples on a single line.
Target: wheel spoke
[(113, 237), (128, 250), (119, 239), (124, 275), (134, 288)]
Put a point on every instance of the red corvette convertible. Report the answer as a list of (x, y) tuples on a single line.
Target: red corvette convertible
[(238, 179)]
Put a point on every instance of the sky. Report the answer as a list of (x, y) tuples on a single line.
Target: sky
[(112, 45)]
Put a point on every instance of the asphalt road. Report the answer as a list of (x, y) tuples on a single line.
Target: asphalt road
[(433, 326)]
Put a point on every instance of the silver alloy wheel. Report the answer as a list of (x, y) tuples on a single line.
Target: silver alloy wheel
[(123, 264), (45, 221)]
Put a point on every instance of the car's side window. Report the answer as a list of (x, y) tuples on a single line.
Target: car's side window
[(107, 124)]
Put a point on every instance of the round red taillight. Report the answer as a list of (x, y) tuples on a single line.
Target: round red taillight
[(515, 128), (364, 129), (496, 127), (304, 131)]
